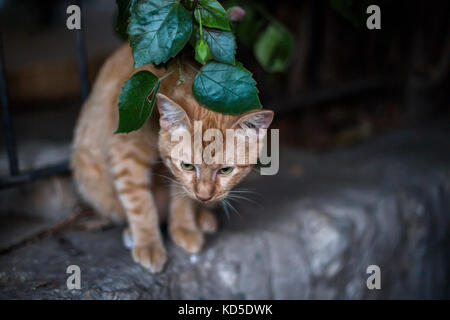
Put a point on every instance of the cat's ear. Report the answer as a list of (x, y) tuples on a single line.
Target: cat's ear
[(172, 116), (260, 119)]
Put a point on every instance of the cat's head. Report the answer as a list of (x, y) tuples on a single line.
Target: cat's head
[(205, 181)]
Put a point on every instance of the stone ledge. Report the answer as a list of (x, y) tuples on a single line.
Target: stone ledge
[(318, 224)]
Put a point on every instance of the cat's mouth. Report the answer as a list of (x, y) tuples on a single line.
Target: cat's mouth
[(202, 196), (203, 199), (208, 199), (199, 197)]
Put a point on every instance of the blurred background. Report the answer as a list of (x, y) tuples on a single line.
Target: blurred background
[(364, 174)]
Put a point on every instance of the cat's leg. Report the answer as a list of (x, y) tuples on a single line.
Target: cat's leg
[(183, 227), (131, 174), (206, 220), (89, 172)]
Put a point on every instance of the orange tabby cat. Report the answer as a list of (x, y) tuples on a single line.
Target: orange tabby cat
[(118, 174)]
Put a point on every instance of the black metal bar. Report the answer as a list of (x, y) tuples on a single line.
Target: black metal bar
[(352, 89), (33, 175), (81, 57), (6, 117), (17, 178)]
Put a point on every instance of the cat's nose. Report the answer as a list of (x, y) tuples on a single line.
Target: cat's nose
[(204, 191), (203, 197)]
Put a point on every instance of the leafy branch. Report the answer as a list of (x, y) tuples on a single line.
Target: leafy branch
[(159, 30)]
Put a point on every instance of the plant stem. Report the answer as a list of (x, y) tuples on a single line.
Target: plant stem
[(194, 4), (166, 75), (201, 26), (192, 67), (185, 3), (180, 71)]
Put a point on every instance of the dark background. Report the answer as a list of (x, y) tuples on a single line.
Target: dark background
[(343, 78), (364, 174)]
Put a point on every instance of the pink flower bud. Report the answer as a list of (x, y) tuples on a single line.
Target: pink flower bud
[(236, 13)]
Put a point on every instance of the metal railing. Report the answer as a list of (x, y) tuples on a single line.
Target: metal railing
[(291, 105), (16, 176)]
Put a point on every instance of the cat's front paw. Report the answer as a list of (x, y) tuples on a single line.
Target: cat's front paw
[(207, 221), (190, 240), (152, 256)]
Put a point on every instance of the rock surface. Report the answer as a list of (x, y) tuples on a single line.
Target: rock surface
[(31, 208), (315, 228)]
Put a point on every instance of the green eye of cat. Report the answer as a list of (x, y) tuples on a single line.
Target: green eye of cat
[(226, 170), (187, 166)]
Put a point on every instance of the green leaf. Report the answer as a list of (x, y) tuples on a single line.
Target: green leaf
[(354, 11), (202, 52), (226, 88), (134, 104), (274, 48), (158, 30), (222, 44), (212, 14), (240, 65), (248, 29), (124, 11)]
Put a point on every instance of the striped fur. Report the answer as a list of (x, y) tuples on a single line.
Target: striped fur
[(121, 176)]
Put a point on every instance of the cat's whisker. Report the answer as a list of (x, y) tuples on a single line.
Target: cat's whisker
[(243, 191), (169, 179), (238, 197), (231, 206), (180, 196), (241, 194), (225, 209), (180, 193)]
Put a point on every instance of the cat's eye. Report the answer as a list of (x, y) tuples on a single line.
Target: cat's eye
[(226, 170), (187, 166)]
